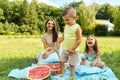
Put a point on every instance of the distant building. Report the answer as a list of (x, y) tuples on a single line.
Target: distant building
[(105, 22)]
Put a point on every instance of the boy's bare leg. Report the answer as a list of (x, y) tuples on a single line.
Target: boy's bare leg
[(72, 69), (61, 69)]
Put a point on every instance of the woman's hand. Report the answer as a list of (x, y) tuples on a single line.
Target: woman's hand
[(45, 54)]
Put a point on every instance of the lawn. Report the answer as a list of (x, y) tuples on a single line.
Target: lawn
[(19, 51)]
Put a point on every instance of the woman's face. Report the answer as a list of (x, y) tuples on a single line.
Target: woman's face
[(90, 41), (50, 25)]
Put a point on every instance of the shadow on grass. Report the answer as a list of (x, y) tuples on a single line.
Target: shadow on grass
[(7, 65), (112, 60)]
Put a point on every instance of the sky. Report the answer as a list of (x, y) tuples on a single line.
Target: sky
[(60, 3)]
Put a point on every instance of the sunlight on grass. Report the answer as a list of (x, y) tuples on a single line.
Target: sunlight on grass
[(105, 44), (19, 52)]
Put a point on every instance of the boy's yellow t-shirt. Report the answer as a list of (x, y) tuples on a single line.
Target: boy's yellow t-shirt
[(70, 36)]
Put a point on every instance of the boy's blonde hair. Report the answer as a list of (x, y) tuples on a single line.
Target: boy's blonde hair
[(69, 11)]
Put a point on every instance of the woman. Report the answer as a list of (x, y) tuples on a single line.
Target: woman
[(50, 40)]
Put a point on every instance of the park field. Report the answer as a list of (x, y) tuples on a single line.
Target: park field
[(18, 51)]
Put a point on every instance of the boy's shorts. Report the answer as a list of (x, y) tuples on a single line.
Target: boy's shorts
[(71, 58)]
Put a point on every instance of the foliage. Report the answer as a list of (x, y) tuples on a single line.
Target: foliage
[(101, 30), (75, 4), (8, 29), (1, 15), (97, 7), (85, 16), (107, 12), (25, 13), (32, 16), (117, 25), (90, 29)]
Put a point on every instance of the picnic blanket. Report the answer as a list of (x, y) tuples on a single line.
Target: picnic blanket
[(86, 72), (82, 72), (22, 73)]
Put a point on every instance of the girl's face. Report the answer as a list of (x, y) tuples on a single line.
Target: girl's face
[(50, 25), (90, 41)]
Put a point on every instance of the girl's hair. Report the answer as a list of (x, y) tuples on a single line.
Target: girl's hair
[(54, 30), (95, 46)]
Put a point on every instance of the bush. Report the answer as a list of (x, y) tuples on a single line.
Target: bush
[(90, 29), (101, 30)]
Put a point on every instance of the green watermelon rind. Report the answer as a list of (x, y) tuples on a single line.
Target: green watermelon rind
[(28, 77)]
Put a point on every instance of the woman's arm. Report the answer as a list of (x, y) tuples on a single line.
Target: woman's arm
[(49, 51), (45, 43)]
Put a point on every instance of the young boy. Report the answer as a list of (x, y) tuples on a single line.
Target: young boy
[(72, 38)]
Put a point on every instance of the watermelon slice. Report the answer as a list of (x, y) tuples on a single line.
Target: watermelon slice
[(55, 68), (39, 72)]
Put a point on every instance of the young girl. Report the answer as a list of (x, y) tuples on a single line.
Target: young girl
[(92, 53)]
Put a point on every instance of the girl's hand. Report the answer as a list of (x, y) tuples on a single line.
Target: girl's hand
[(94, 63), (83, 62)]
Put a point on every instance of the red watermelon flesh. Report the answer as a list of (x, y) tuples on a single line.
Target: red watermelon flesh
[(54, 65), (39, 72)]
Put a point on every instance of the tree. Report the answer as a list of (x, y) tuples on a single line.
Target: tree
[(96, 7), (117, 24), (107, 12), (45, 12), (55, 13), (42, 9), (86, 15), (17, 14), (7, 8), (25, 13), (1, 15), (75, 4), (33, 15)]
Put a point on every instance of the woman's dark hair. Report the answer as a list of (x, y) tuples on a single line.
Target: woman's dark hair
[(54, 30), (95, 46)]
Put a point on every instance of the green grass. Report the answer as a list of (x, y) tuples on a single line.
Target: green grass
[(19, 51)]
